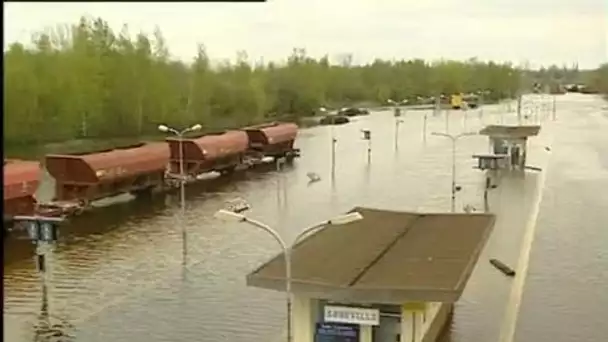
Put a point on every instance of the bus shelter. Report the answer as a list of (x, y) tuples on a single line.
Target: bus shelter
[(511, 141), (392, 276)]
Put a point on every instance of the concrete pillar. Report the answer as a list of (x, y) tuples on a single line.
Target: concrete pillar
[(365, 333), (303, 319), (412, 322)]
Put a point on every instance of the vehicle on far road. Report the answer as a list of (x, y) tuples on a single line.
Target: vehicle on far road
[(456, 101), (334, 120), (353, 111), (472, 101)]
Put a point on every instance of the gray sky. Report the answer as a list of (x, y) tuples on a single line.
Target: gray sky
[(541, 31)]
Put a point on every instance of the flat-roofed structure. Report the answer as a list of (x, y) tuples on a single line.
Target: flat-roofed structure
[(511, 140), (489, 161), (510, 131), (416, 262)]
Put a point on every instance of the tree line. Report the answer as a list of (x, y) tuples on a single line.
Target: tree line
[(598, 80), (87, 81)]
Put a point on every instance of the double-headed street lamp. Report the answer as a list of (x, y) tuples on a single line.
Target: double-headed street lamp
[(454, 138), (396, 105), (227, 215), (43, 232), (333, 144), (182, 179), (397, 114)]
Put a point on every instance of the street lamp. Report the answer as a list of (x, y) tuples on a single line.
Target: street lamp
[(480, 104), (396, 105), (367, 135), (231, 216), (437, 104), (424, 124), (43, 232), (333, 145), (554, 106), (454, 138), (182, 178), (397, 114), (397, 122)]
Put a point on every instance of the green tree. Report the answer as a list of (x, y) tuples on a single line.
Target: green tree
[(86, 81)]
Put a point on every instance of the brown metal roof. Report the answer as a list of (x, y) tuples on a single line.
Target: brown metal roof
[(387, 257), (510, 131)]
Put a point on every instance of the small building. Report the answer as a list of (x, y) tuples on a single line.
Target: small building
[(511, 141), (391, 276), (491, 161)]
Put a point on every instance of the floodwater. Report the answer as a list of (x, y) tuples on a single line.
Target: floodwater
[(117, 272), (565, 297)]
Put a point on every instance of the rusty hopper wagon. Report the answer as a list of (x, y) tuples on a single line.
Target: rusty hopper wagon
[(21, 180), (273, 140), (84, 178), (222, 152)]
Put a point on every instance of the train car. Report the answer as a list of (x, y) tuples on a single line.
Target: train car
[(21, 180), (90, 176), (220, 151), (274, 140)]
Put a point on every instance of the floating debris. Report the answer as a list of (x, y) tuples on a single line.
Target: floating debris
[(313, 177), (502, 267), (469, 209), (238, 205), (533, 168)]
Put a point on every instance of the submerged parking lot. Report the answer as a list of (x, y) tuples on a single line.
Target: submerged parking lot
[(117, 274)]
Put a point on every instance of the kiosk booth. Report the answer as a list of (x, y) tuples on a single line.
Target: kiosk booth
[(510, 141), (391, 276), (491, 162)]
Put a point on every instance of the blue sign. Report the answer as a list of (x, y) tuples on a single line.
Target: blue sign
[(32, 230), (49, 232), (42, 231), (335, 332)]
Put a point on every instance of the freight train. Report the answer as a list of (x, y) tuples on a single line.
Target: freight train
[(81, 178)]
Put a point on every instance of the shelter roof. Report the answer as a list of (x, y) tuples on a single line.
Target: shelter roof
[(490, 156), (387, 257), (510, 131)]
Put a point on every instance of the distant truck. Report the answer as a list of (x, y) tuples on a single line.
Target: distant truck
[(457, 101)]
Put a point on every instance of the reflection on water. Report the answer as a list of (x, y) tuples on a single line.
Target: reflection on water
[(117, 275)]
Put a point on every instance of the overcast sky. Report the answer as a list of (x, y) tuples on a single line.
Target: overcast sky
[(540, 31)]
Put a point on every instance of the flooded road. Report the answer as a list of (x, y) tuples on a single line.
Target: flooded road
[(565, 296), (117, 274)]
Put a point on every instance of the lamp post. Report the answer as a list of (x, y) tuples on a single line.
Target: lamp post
[(397, 122), (367, 135), (519, 107), (397, 113), (333, 146), (424, 124), (554, 107), (396, 105), (227, 215), (43, 232), (482, 94), (454, 138), (182, 179), (437, 104)]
